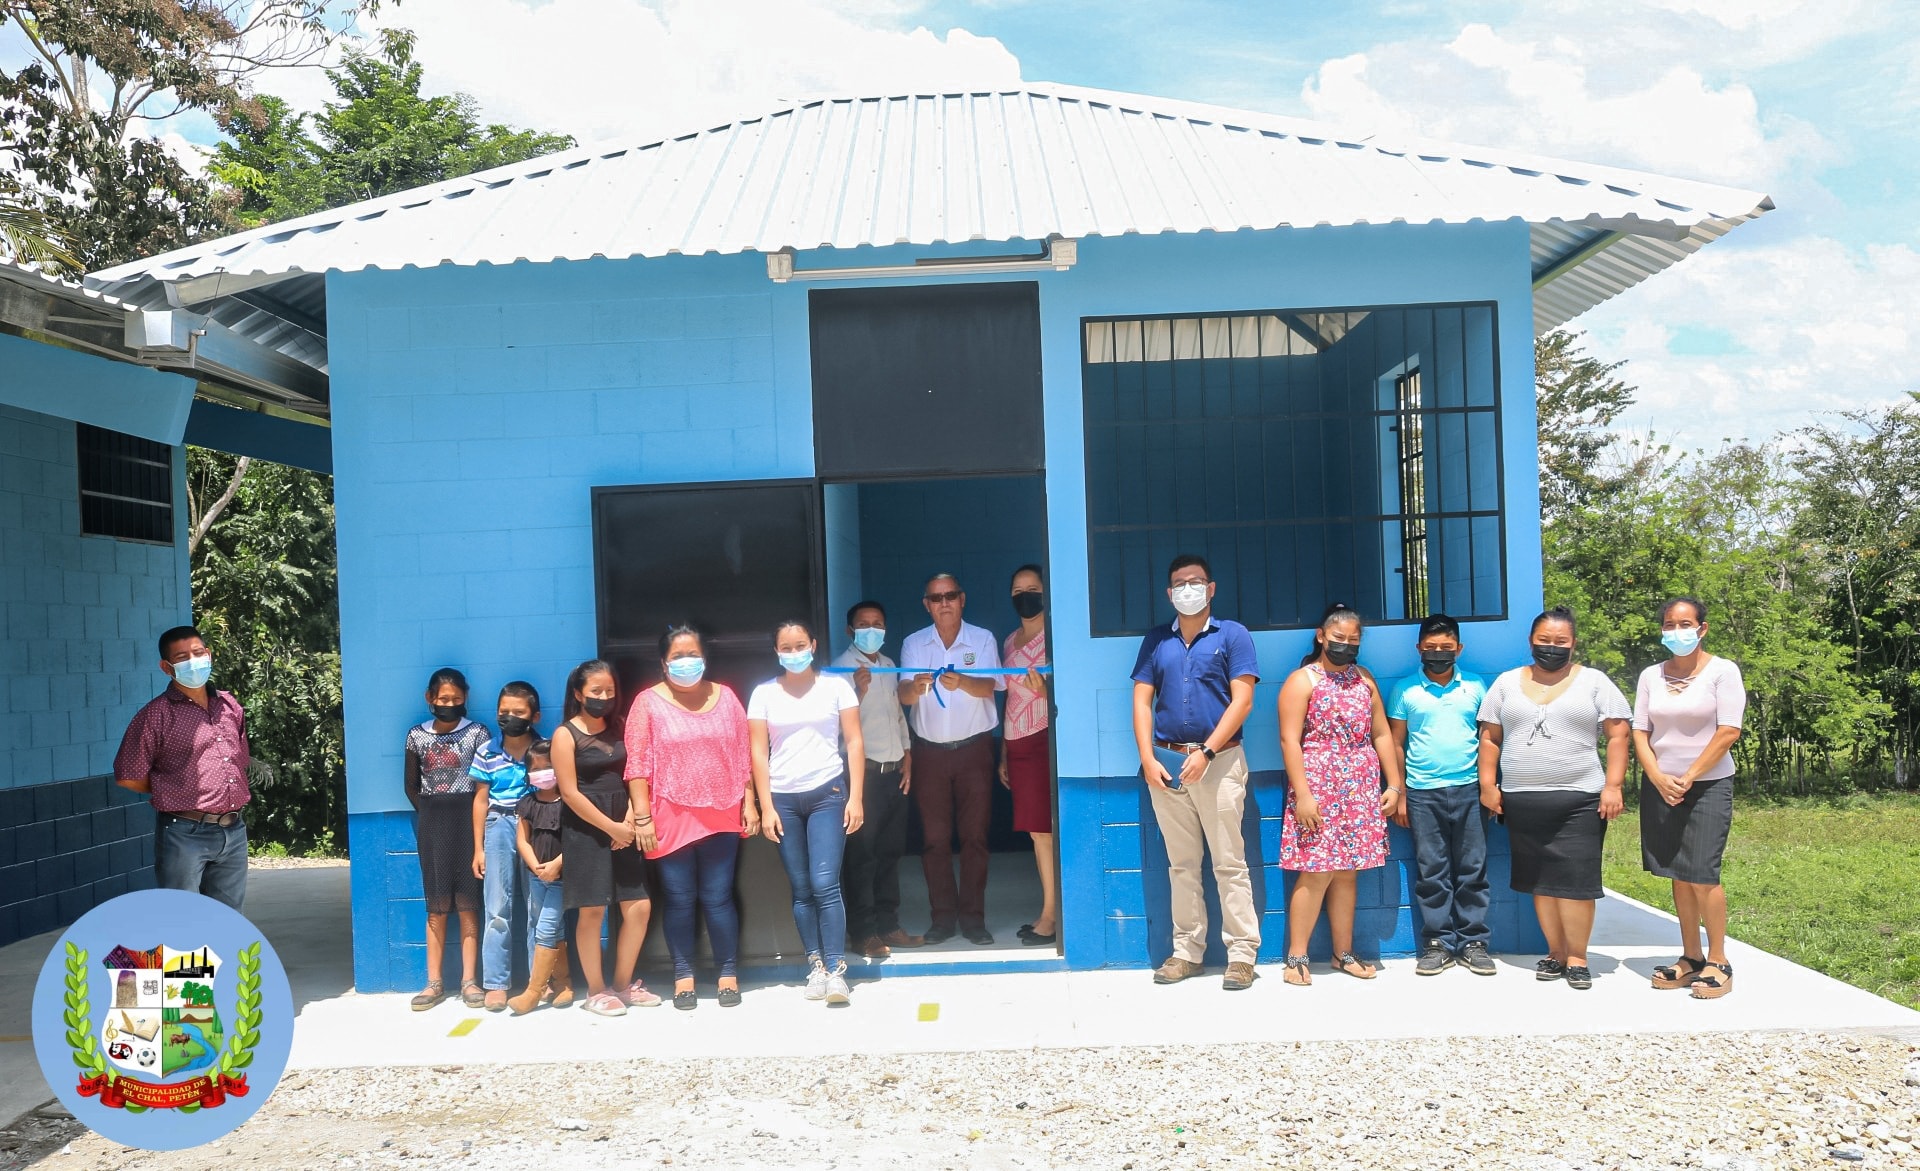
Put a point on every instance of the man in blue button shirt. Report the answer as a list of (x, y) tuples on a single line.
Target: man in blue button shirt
[(1192, 689), (1434, 718)]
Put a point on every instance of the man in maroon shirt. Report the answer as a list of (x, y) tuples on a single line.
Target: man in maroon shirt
[(188, 749)]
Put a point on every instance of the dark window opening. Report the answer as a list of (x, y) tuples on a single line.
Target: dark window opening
[(126, 486), (1312, 456)]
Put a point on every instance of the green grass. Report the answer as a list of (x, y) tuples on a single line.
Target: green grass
[(1831, 883)]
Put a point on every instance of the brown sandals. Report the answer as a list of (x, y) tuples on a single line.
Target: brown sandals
[(1347, 962), (1713, 982), (1679, 973), (435, 993), (1296, 972)]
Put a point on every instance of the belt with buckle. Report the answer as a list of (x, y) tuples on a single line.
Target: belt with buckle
[(223, 820), (1195, 747), (884, 766)]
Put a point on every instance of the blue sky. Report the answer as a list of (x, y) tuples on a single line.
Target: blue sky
[(1815, 102)]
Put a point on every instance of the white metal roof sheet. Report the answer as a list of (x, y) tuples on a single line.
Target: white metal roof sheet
[(1016, 164)]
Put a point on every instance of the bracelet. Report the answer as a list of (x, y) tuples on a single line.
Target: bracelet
[(648, 820), (1392, 789)]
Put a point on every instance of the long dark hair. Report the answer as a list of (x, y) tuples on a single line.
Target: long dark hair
[(577, 678), (1336, 613), (678, 631)]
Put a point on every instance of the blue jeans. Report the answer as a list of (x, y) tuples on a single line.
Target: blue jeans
[(1450, 858), (205, 859), (813, 838), (547, 912), (502, 851), (702, 874)]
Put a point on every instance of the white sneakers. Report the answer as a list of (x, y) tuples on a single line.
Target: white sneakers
[(828, 986)]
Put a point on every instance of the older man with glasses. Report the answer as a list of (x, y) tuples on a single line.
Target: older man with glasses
[(953, 717)]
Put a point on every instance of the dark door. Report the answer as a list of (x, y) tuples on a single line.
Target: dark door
[(733, 559), (926, 380)]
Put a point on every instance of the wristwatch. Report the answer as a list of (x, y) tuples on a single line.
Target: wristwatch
[(1207, 752)]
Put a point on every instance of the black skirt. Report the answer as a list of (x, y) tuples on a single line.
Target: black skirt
[(1556, 839), (1686, 841), (443, 827), (592, 872)]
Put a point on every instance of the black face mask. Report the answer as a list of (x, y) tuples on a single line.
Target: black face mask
[(596, 707), (515, 725), (1027, 605), (448, 713), (1342, 654), (1438, 662), (1551, 658)]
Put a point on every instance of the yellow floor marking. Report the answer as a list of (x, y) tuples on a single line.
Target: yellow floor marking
[(929, 1012), (465, 1027)]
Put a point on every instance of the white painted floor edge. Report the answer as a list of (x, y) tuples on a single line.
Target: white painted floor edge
[(1018, 1011)]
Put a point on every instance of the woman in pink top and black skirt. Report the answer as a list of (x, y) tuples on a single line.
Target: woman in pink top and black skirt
[(1026, 766), (687, 750), (1686, 716)]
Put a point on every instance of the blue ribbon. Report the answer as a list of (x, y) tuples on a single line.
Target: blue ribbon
[(949, 669)]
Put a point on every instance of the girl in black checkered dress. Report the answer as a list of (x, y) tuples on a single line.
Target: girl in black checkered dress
[(439, 752)]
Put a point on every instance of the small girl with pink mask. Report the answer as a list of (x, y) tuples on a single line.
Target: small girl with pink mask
[(539, 846)]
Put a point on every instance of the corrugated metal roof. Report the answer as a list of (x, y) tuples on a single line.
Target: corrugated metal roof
[(1004, 165)]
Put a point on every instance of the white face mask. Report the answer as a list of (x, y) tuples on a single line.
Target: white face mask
[(1190, 598)]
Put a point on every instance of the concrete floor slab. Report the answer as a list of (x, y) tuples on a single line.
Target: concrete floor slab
[(304, 913)]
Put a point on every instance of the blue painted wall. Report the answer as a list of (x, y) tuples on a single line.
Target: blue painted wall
[(476, 408), (78, 616), (67, 384)]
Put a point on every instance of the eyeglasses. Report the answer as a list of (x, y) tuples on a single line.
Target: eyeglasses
[(949, 596), (1174, 585)]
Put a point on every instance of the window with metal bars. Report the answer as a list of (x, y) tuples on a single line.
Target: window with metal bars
[(1312, 456), (126, 486)]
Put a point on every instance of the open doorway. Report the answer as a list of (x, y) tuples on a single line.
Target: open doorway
[(884, 539)]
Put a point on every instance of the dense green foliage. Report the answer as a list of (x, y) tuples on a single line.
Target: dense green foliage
[(1826, 882), (265, 596), (1806, 562), (382, 135)]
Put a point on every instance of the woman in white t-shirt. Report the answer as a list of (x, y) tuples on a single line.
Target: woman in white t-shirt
[(804, 730), (1686, 716)]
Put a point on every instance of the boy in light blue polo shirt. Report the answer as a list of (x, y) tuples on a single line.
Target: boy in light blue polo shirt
[(1434, 719)]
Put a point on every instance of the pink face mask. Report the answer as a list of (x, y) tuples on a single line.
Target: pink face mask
[(541, 778)]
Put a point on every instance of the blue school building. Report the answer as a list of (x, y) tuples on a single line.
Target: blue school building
[(782, 364)]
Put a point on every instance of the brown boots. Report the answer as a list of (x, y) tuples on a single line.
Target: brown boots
[(549, 964), (559, 993)]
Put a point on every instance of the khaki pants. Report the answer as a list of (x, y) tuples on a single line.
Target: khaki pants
[(1206, 814)]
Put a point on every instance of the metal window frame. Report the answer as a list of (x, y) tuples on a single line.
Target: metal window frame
[(1496, 409), (82, 451)]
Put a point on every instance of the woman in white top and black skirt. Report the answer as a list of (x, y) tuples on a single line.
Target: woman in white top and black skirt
[(1687, 713), (1540, 770)]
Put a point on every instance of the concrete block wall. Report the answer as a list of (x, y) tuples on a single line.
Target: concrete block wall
[(77, 659), (474, 412)]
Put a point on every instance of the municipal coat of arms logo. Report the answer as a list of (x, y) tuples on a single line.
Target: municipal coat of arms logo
[(155, 1040)]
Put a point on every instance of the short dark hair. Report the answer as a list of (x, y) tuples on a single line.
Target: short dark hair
[(1185, 559), (539, 748), (1554, 614), (1035, 570), (1438, 624), (1699, 607), (869, 604), (680, 630), (806, 627), (521, 689), (178, 634), (444, 676)]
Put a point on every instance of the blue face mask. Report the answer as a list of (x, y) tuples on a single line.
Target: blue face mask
[(1682, 641), (869, 639), (797, 661), (193, 672), (687, 670)]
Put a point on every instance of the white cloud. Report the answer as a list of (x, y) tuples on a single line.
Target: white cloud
[(1807, 325), (617, 70), (1754, 334)]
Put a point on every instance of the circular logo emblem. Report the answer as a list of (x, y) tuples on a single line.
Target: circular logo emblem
[(162, 1019)]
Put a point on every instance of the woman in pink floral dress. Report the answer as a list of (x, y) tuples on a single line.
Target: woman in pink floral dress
[(1337, 743)]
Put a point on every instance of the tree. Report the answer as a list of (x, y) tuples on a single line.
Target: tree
[(76, 122), (27, 235), (382, 135), (265, 594), (1578, 398), (1860, 530)]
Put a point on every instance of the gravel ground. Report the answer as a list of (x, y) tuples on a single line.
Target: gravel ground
[(267, 862), (1736, 1102)]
